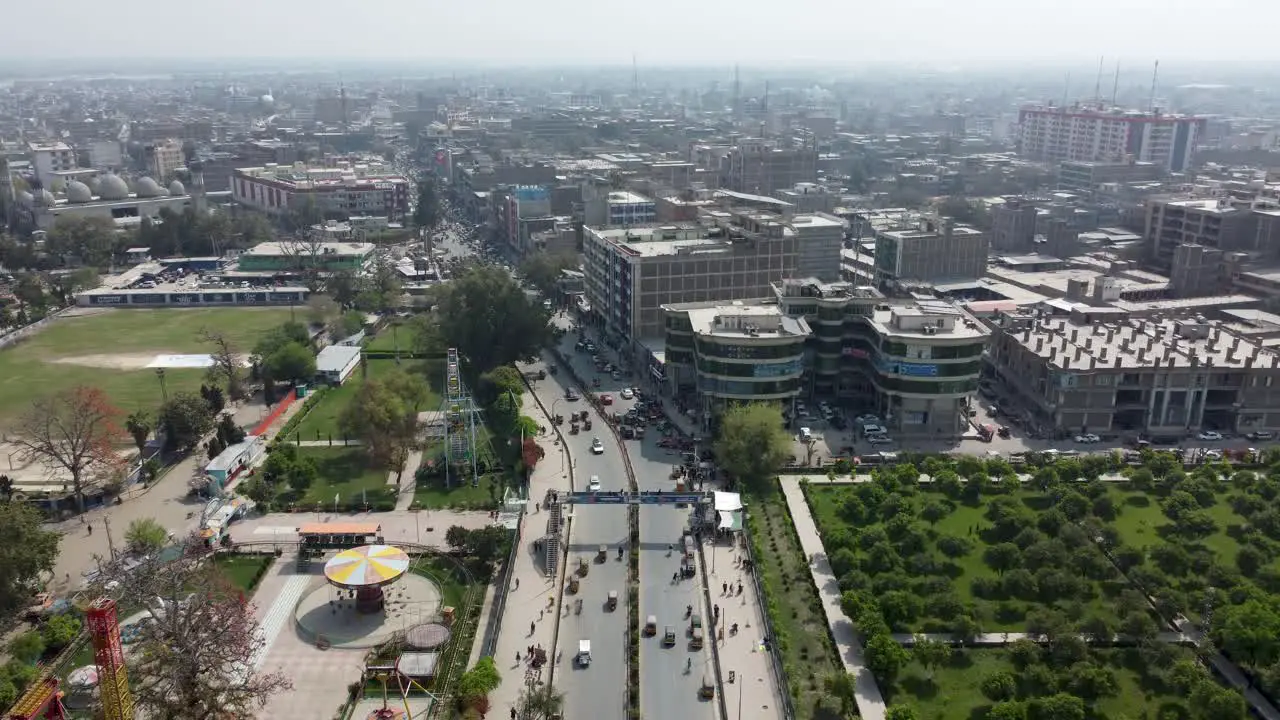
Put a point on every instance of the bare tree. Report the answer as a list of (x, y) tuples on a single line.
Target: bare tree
[(539, 703), (227, 366), (196, 660), (306, 250), (74, 431)]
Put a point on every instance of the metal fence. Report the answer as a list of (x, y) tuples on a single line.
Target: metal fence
[(490, 643)]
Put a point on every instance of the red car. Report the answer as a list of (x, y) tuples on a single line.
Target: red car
[(606, 399)]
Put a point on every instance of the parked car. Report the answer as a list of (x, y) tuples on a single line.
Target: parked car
[(879, 439), (1209, 435), (597, 447), (627, 393), (594, 485), (1088, 438), (1260, 435)]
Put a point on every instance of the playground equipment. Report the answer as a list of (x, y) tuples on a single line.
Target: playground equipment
[(365, 571), (108, 655), (461, 422), (42, 700), (405, 684)]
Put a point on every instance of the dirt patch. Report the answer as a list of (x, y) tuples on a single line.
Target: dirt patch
[(109, 361)]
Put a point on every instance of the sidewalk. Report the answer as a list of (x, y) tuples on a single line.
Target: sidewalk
[(530, 613), (866, 692), (755, 685)]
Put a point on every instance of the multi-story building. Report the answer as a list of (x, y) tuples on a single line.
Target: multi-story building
[(915, 364), (1216, 223), (627, 208), (163, 158), (630, 273), (1056, 134), (1160, 378), (50, 159), (938, 250), (820, 238), (1013, 226), (1087, 177), (744, 351), (760, 166), (339, 192)]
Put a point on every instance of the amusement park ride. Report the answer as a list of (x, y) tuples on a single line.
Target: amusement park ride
[(461, 420), (44, 698)]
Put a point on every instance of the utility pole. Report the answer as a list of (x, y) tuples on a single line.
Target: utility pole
[(111, 546)]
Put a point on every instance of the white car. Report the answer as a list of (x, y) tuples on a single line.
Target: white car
[(1088, 438), (879, 439), (594, 485), (627, 393), (1210, 435), (597, 447)]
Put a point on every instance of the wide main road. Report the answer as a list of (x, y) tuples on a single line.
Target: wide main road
[(667, 688), (592, 692)]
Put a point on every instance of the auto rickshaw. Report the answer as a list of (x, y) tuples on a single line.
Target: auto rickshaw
[(586, 424), (668, 636), (542, 374), (573, 428), (707, 691), (695, 642), (612, 602), (602, 553), (583, 567), (584, 653), (651, 626), (695, 622), (573, 584)]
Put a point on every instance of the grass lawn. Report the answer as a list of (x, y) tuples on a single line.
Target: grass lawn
[(244, 572), (322, 421), (954, 691), (970, 524), (397, 333), (345, 472), (431, 493), (26, 371), (799, 625)]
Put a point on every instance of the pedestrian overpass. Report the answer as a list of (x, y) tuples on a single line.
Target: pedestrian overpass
[(556, 501)]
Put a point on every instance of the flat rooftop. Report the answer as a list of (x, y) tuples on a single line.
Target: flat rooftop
[(1140, 344), (623, 197), (740, 319), (933, 319), (290, 248)]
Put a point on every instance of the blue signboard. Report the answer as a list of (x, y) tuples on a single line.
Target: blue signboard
[(253, 297), (908, 369), (282, 297), (668, 498), (216, 297), (597, 498), (109, 299), (531, 193), (185, 298), (150, 299)]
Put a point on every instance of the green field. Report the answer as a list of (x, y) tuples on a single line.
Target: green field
[(344, 472), (799, 624), (1139, 689), (398, 333), (27, 369)]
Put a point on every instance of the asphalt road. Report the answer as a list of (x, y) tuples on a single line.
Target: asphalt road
[(667, 689), (592, 692)]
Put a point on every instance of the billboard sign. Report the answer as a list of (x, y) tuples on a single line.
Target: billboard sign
[(109, 299)]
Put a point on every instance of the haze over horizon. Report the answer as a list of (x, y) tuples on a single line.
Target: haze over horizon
[(662, 32)]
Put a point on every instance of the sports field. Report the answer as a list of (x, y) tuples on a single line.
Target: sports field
[(110, 350)]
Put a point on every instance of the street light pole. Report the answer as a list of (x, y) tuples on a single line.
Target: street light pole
[(164, 391)]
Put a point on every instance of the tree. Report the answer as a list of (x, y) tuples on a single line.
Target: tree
[(539, 703), (291, 362), (385, 422), (542, 270), (1056, 707), (930, 654), (1249, 632), (490, 319), (901, 712), (73, 431), (228, 366), (426, 213), (139, 427), (286, 466), (752, 445), (27, 551), (885, 657), (146, 536), (1007, 710), (999, 685), (185, 419), (195, 661), (480, 680), (1003, 557), (843, 687), (92, 240)]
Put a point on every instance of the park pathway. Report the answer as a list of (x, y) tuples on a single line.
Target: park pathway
[(870, 702)]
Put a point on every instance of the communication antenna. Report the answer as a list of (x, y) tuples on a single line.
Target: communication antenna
[(1066, 90), (1115, 85), (1097, 84), (1155, 77)]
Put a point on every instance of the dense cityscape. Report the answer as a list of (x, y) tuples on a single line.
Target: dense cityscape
[(635, 391)]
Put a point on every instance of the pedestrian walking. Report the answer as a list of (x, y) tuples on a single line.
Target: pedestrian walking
[(513, 714), (532, 625), (517, 657), (724, 588), (90, 528), (541, 613), (739, 588), (517, 583)]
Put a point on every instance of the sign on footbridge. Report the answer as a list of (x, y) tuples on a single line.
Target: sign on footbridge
[(644, 497)]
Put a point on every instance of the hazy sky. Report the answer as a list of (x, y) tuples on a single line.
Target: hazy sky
[(659, 32)]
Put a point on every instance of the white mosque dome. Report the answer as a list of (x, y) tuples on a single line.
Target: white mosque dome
[(111, 187), (148, 188), (78, 192), (46, 198), (176, 189)]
